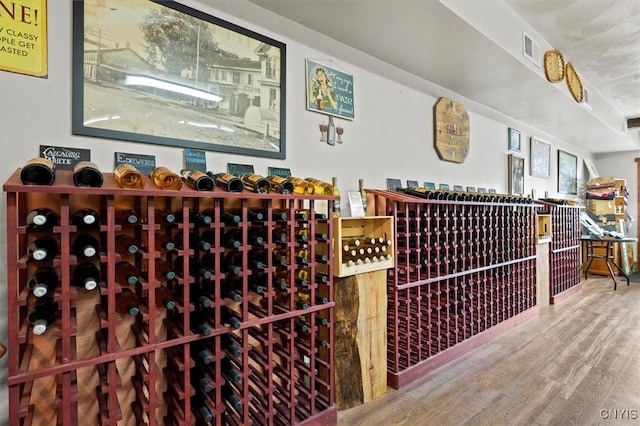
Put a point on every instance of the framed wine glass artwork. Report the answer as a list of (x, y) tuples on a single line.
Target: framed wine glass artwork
[(540, 157)]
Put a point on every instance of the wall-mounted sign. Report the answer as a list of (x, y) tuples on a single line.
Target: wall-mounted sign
[(64, 158), (195, 160), (277, 171), (451, 130), (23, 37), (329, 91), (144, 163), (239, 169)]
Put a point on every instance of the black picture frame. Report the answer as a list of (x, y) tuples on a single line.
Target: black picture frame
[(567, 173), (224, 89)]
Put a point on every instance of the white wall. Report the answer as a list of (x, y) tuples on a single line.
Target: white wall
[(392, 135)]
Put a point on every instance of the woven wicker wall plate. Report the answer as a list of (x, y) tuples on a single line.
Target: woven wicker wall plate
[(554, 66), (573, 83)]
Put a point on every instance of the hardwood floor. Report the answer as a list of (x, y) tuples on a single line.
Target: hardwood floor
[(578, 363)]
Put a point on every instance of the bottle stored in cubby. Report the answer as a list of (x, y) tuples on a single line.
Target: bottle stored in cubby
[(86, 275), (43, 313), (229, 317), (232, 238), (164, 178), (232, 262), (363, 195), (164, 243), (200, 380), (164, 217), (87, 173), (230, 218), (336, 192), (230, 346), (198, 180), (42, 218), (279, 235), (203, 218), (86, 218), (195, 242), (255, 183), (43, 281), (229, 371), (127, 217), (228, 291), (257, 236), (231, 398), (38, 171), (165, 298), (279, 215), (128, 177), (128, 303), (198, 324), (227, 182), (164, 270), (280, 184), (196, 269), (126, 244), (43, 248), (321, 187), (126, 273), (201, 410), (85, 245)]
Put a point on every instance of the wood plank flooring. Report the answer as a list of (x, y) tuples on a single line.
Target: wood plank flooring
[(577, 363)]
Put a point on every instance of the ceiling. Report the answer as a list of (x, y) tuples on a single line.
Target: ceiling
[(600, 38)]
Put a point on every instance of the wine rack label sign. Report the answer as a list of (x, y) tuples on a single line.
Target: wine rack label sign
[(64, 158), (394, 184), (277, 171), (239, 169), (144, 163), (195, 160), (430, 185)]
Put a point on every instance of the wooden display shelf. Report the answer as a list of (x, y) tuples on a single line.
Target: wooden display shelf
[(362, 229)]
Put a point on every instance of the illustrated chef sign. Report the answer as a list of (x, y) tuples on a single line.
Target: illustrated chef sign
[(451, 130), (23, 36)]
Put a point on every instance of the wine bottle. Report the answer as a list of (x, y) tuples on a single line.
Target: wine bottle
[(280, 257), (164, 271), (230, 218), (336, 192), (227, 181), (86, 218), (199, 380), (87, 173), (127, 217), (232, 262), (126, 244), (257, 236), (127, 176), (230, 346), (43, 248), (43, 281), (164, 298), (42, 314), (195, 242), (320, 187), (302, 278), (198, 180), (166, 179), (42, 218), (363, 195), (230, 398), (199, 325), (126, 273), (229, 371), (331, 131), (255, 183), (38, 171), (232, 238), (279, 235), (163, 243), (86, 275), (164, 217), (280, 184), (200, 219), (127, 302), (85, 245), (228, 317), (201, 410), (301, 186), (196, 269), (228, 291)]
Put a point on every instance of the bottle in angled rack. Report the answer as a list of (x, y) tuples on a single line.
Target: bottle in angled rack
[(336, 192), (230, 218), (38, 171), (85, 245), (87, 173), (86, 218), (166, 179), (127, 302), (43, 281), (231, 398), (129, 177), (229, 317), (280, 184), (165, 298), (126, 244), (164, 270), (164, 217), (196, 269), (255, 183), (201, 410), (203, 218), (164, 243), (42, 218), (43, 248), (320, 187), (127, 217), (86, 275), (195, 242), (42, 315), (301, 186), (198, 180), (227, 182)]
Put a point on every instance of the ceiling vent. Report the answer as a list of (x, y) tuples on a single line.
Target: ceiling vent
[(585, 98), (633, 123), (531, 49)]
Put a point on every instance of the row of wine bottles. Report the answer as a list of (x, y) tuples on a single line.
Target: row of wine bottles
[(451, 195)]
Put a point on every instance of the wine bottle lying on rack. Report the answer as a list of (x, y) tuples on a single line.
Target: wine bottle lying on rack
[(43, 248), (127, 302), (227, 182), (255, 183), (126, 244), (43, 281), (166, 179), (126, 273), (195, 242), (38, 171), (86, 275), (198, 180), (42, 314), (87, 173), (86, 219), (85, 245), (127, 217), (42, 218), (128, 177), (196, 269), (281, 184)]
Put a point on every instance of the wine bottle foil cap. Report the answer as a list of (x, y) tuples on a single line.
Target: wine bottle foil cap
[(40, 289), (89, 219), (39, 254), (39, 327), (39, 219), (89, 251), (90, 284)]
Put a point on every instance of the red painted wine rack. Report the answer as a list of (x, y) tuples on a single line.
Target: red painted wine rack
[(564, 256), (465, 270), (267, 357)]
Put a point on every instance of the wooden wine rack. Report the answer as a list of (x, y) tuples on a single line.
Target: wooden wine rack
[(564, 256), (96, 366), (465, 271)]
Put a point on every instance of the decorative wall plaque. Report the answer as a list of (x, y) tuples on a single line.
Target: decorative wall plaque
[(451, 130)]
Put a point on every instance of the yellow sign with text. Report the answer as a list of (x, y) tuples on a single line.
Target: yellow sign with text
[(23, 36)]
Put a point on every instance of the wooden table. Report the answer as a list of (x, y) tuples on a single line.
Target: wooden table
[(588, 244)]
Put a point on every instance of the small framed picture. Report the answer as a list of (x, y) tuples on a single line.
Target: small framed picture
[(514, 140)]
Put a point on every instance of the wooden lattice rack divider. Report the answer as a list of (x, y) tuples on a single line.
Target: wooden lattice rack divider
[(465, 271), (95, 365)]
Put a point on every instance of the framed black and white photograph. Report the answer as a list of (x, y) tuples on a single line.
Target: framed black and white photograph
[(514, 140), (540, 158), (167, 74), (516, 175), (567, 173)]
